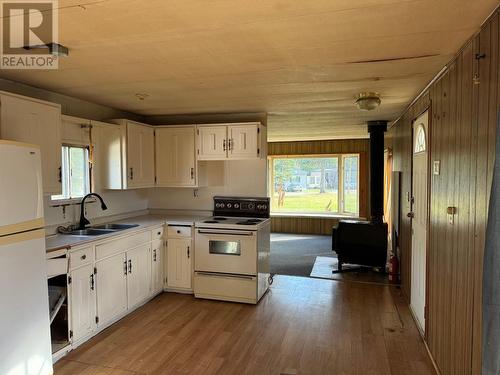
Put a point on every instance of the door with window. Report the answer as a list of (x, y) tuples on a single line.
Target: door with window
[(419, 218)]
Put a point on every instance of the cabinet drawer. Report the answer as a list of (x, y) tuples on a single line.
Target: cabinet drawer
[(122, 244), (79, 257), (57, 266), (175, 231), (157, 234), (222, 287)]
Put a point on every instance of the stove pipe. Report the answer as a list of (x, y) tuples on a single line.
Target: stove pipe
[(377, 129)]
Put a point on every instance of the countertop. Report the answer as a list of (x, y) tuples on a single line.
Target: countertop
[(63, 241)]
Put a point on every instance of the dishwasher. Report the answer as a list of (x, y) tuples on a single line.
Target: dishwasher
[(57, 278)]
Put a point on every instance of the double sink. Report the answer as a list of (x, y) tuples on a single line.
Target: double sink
[(99, 230)]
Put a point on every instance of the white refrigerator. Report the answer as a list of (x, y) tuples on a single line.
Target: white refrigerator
[(24, 308)]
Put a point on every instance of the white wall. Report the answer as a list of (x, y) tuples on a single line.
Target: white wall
[(237, 178)]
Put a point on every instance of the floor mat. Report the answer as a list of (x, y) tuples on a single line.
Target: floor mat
[(323, 267), (295, 254)]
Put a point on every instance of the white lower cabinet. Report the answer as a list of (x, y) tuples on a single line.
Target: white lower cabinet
[(157, 267), (179, 263), (83, 302), (138, 274), (111, 285)]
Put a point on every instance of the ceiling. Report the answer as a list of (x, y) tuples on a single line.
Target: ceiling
[(302, 62)]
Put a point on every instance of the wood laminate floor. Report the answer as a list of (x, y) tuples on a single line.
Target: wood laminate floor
[(301, 326)]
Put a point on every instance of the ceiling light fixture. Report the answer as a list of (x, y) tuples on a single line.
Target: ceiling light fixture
[(368, 101), (55, 49)]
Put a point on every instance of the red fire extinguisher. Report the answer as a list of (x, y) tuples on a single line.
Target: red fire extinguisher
[(393, 269)]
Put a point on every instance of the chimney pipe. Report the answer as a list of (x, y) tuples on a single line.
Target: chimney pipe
[(377, 129)]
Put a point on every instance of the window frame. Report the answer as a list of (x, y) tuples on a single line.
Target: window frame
[(340, 196), (65, 158)]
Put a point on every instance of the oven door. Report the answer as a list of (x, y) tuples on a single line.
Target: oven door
[(226, 251)]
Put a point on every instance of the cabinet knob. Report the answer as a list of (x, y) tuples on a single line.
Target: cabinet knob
[(159, 233), (83, 257), (178, 232)]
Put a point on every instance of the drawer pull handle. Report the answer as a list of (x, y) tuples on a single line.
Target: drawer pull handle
[(83, 257)]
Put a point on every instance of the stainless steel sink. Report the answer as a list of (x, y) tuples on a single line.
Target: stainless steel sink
[(115, 227), (90, 232)]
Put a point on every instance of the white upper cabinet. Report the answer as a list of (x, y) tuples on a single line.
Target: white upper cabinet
[(38, 122), (125, 154), (212, 142), (175, 156), (243, 141), (231, 141), (140, 155)]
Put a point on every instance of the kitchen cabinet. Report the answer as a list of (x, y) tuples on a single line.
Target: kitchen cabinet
[(111, 287), (82, 301), (212, 142), (75, 130), (157, 267), (140, 155), (38, 122), (126, 153), (231, 141), (179, 263), (175, 157), (139, 274)]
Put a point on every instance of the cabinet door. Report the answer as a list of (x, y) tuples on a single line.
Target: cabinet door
[(108, 164), (179, 263), (83, 301), (243, 141), (34, 122), (157, 267), (140, 156), (175, 157), (111, 288), (212, 142), (139, 274)]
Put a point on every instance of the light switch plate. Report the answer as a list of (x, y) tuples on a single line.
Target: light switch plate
[(436, 167)]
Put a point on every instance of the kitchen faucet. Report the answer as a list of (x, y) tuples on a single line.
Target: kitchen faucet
[(83, 220)]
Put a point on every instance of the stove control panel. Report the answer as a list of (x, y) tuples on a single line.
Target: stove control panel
[(243, 207)]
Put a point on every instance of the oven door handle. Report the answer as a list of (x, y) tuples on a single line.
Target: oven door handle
[(230, 275), (225, 232)]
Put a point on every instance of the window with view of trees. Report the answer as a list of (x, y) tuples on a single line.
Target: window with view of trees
[(75, 173), (315, 185)]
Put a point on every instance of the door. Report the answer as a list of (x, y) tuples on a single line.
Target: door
[(21, 163), (243, 141), (179, 263), (83, 301), (140, 155), (419, 218), (226, 251), (175, 156), (156, 267), (139, 274), (111, 288), (212, 142), (37, 123)]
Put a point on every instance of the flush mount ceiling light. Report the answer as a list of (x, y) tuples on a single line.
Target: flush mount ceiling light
[(141, 96), (368, 101)]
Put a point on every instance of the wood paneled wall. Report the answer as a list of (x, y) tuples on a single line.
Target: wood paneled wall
[(464, 104), (311, 225)]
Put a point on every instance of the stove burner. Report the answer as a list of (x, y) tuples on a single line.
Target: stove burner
[(210, 221), (249, 222), (219, 218)]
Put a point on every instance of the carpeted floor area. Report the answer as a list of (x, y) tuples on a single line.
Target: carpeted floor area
[(295, 254)]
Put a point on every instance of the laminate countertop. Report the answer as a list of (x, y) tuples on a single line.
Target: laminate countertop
[(64, 241)]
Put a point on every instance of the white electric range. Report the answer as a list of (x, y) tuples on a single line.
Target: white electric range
[(232, 251)]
